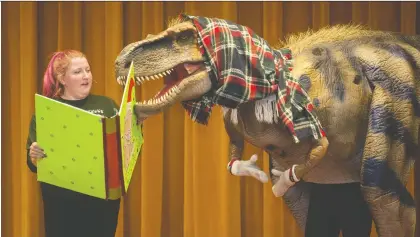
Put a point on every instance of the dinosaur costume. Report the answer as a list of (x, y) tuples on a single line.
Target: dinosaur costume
[(335, 106)]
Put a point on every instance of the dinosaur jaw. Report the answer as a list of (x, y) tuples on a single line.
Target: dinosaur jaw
[(185, 81)]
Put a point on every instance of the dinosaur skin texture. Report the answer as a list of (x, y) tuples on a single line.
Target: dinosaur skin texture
[(365, 88)]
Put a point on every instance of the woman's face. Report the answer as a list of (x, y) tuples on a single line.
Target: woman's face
[(77, 80)]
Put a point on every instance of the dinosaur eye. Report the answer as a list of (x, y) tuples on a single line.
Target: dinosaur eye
[(127, 64), (184, 36)]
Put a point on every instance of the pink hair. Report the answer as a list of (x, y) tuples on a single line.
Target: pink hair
[(56, 70)]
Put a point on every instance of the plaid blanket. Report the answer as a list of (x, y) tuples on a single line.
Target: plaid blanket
[(243, 68)]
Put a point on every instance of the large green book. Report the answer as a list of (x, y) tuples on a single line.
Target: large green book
[(89, 153)]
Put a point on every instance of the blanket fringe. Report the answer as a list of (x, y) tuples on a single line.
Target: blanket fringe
[(233, 114), (266, 111)]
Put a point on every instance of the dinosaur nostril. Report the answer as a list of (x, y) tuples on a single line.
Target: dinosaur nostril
[(127, 64)]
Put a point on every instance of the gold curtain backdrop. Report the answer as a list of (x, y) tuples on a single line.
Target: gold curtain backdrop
[(180, 186)]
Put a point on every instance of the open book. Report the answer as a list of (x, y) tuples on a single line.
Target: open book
[(89, 153)]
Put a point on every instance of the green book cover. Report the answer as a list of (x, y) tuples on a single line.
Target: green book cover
[(88, 153)]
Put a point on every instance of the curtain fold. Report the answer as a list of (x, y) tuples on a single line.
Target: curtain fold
[(180, 186)]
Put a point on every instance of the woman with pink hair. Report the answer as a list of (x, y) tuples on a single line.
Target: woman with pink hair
[(68, 79)]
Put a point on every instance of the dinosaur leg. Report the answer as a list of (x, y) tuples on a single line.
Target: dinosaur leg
[(297, 200), (296, 197), (391, 145), (393, 208), (387, 162)]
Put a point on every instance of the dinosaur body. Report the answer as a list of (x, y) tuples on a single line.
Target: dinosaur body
[(365, 90)]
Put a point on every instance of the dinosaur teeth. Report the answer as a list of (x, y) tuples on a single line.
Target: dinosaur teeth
[(171, 91), (176, 89)]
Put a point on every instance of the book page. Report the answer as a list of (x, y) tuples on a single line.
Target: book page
[(131, 134), (73, 141)]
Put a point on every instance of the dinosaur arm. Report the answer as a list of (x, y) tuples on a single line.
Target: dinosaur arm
[(318, 152), (236, 141), (236, 147), (236, 165), (289, 177)]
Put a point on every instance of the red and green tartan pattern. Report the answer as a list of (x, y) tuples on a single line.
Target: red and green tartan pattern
[(243, 68)]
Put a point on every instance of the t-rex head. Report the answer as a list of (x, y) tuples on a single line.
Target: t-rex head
[(173, 56), (203, 62)]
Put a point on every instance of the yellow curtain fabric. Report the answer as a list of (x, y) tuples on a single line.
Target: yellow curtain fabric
[(180, 187)]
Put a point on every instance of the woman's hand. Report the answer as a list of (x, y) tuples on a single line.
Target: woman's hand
[(36, 153)]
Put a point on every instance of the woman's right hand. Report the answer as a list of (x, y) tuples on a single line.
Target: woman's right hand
[(36, 153)]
